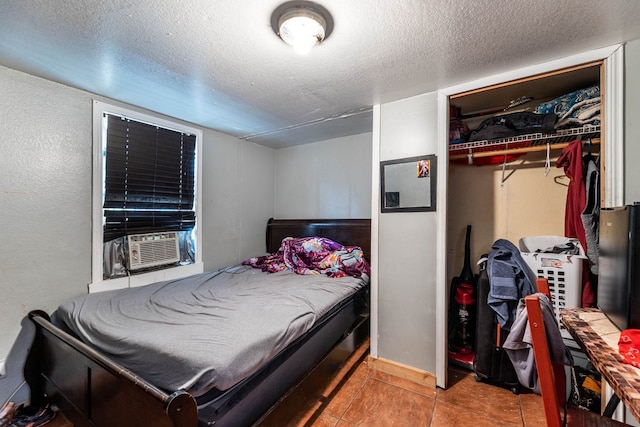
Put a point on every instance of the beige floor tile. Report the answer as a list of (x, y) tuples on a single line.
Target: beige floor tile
[(403, 383), (385, 405), (341, 399), (532, 410), (446, 414), (323, 420), (294, 411), (481, 398), (367, 398)]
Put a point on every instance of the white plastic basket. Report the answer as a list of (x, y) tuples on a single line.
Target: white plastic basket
[(563, 273)]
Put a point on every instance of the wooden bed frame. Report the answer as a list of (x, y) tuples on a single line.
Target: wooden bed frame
[(92, 390), (354, 232)]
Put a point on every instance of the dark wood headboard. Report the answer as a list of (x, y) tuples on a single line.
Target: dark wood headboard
[(349, 232)]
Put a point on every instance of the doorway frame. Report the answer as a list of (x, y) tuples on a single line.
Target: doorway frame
[(613, 82)]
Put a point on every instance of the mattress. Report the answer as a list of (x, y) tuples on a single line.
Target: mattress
[(206, 331)]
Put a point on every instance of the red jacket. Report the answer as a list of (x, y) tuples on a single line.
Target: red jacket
[(571, 161)]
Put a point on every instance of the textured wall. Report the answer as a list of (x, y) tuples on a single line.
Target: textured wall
[(45, 203), (407, 244), (237, 198), (328, 179)]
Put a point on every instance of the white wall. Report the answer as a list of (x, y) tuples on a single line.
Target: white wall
[(238, 199), (45, 203), (632, 122), (327, 179), (45, 199), (407, 244)]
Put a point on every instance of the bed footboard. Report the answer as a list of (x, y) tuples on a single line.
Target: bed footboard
[(92, 390)]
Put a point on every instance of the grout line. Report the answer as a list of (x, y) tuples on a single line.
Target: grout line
[(344, 374), (349, 366), (337, 382), (430, 395), (354, 397)]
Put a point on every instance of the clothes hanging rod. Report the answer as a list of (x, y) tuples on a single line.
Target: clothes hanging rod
[(521, 150)]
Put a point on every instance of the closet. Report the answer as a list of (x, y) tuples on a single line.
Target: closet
[(522, 197), (509, 187)]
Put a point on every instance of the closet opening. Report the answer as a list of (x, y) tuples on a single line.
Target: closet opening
[(504, 174)]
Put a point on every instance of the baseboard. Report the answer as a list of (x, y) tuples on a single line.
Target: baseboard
[(402, 371)]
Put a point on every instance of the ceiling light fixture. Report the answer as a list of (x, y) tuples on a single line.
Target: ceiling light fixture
[(302, 24)]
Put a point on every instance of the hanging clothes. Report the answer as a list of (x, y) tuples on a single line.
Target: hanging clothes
[(591, 213), (571, 161)]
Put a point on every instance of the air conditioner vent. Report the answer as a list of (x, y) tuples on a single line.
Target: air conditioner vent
[(153, 249)]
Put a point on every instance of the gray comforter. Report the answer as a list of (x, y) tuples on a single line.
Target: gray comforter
[(204, 331)]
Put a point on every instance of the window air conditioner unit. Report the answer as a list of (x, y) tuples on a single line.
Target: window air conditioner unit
[(153, 249)]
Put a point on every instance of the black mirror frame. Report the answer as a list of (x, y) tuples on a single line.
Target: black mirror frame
[(432, 158)]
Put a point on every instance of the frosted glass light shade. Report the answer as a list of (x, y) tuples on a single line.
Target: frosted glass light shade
[(302, 31), (301, 24)]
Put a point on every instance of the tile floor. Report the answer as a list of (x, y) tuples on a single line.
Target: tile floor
[(360, 396)]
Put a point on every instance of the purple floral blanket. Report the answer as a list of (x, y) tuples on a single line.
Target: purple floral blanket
[(314, 255)]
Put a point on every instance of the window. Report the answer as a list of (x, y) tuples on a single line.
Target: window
[(149, 178), (145, 183)]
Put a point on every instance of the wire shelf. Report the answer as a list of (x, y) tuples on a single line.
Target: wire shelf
[(520, 141)]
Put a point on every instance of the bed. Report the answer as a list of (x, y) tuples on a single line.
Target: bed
[(131, 382)]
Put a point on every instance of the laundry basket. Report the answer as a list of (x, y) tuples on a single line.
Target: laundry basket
[(563, 272)]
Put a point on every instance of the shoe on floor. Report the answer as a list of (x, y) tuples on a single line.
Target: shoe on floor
[(32, 416)]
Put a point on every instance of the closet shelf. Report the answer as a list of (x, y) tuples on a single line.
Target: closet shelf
[(522, 143)]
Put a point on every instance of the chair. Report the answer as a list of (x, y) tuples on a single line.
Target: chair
[(551, 375)]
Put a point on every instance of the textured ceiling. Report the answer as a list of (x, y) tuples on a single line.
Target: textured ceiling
[(217, 63)]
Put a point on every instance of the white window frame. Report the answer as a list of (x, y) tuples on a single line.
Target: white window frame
[(99, 142)]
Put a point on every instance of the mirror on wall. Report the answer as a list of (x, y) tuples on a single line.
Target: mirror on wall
[(409, 184)]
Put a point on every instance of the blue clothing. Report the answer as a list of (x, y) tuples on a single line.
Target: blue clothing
[(510, 278)]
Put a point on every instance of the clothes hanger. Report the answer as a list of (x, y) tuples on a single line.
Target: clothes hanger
[(589, 156), (558, 180), (547, 162)]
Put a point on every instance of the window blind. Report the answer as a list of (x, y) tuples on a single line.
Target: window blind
[(149, 178)]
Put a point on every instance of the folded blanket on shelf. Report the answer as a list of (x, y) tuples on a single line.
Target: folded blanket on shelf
[(574, 109)]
